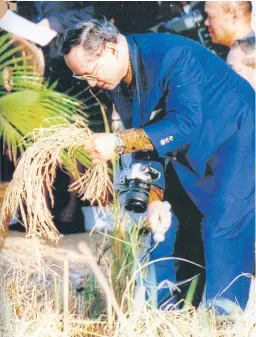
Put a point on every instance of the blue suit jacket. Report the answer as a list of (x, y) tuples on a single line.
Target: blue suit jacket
[(206, 125)]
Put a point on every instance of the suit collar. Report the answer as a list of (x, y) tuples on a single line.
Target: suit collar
[(145, 94)]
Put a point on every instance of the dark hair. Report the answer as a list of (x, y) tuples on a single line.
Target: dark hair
[(93, 35)]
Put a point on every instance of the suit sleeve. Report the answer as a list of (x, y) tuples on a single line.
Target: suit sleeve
[(182, 83)]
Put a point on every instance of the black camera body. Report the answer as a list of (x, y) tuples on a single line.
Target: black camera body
[(190, 23), (187, 20), (138, 178)]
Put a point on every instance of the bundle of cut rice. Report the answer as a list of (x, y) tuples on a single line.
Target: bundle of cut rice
[(35, 173)]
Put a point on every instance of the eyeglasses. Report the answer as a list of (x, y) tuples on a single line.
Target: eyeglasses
[(89, 77)]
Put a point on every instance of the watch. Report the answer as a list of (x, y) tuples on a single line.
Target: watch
[(119, 144)]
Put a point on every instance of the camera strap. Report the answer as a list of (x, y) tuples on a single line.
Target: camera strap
[(137, 73)]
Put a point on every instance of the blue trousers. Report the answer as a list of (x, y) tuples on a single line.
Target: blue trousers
[(228, 251)]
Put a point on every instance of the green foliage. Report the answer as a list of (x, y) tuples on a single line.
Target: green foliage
[(124, 255), (91, 298), (191, 293), (26, 102)]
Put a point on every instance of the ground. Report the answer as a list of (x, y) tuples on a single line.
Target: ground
[(27, 251), (39, 260)]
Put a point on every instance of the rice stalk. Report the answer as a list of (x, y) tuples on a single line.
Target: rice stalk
[(29, 307), (35, 174)]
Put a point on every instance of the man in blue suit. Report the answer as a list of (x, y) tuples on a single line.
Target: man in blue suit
[(190, 112)]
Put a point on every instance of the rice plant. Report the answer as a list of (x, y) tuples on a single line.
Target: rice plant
[(34, 176), (35, 301)]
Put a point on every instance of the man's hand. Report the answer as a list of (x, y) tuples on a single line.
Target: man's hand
[(101, 147), (160, 218)]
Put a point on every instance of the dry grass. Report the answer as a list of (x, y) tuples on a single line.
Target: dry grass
[(37, 300)]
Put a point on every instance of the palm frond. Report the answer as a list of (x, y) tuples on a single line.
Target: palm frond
[(11, 138), (28, 102), (23, 111)]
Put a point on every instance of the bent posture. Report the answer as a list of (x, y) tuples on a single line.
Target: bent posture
[(186, 109)]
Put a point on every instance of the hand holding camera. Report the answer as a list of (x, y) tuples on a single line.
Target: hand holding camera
[(159, 218)]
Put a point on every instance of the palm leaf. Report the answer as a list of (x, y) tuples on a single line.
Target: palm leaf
[(31, 104), (23, 111)]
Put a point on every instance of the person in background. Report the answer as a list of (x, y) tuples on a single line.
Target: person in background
[(228, 21), (230, 24), (242, 58)]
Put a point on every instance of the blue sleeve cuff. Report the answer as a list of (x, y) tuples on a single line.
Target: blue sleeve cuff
[(166, 137)]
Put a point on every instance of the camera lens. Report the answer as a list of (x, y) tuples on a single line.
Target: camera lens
[(136, 200)]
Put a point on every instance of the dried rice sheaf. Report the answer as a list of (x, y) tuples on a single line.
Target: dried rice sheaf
[(35, 173)]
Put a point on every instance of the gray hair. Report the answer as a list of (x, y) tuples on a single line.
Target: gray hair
[(247, 45), (93, 35)]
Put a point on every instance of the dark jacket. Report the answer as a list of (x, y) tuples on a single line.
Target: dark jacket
[(206, 125), (61, 14)]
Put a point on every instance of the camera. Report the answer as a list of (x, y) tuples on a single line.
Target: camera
[(138, 177), (190, 21), (187, 20)]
